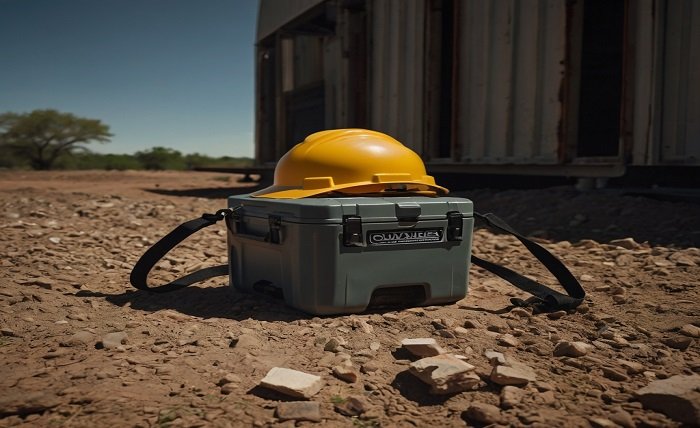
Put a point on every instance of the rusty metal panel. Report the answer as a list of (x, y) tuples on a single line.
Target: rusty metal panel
[(680, 134), (396, 69), (510, 70)]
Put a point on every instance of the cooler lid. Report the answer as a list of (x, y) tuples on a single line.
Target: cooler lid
[(370, 209)]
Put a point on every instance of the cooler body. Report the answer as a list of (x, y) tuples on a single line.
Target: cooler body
[(336, 255)]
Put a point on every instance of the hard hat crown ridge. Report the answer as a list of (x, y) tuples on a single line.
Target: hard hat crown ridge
[(348, 161)]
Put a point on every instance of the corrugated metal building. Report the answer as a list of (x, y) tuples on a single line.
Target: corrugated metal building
[(577, 87)]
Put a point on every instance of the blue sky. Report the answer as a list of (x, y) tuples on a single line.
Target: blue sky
[(173, 73)]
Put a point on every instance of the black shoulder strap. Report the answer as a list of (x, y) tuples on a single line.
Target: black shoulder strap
[(547, 299), (139, 274)]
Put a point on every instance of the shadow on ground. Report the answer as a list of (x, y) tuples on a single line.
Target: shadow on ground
[(205, 302), (207, 192)]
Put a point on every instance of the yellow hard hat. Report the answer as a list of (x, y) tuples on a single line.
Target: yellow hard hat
[(356, 161)]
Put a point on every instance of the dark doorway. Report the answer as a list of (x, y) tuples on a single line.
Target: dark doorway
[(600, 90), (440, 77)]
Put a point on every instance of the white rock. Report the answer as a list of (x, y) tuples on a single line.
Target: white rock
[(292, 382), (495, 358), (422, 347), (517, 374), (445, 374), (113, 340)]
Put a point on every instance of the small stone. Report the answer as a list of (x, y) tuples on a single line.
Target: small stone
[(422, 347), (677, 397), (352, 406), (690, 330), (571, 349), (229, 378), (521, 312), (348, 374), (627, 243), (511, 396), (602, 423), (115, 339), (622, 418), (245, 342), (43, 282), (508, 340), (556, 315), (374, 346), (618, 299), (587, 278), (229, 388), (483, 413), (461, 332), (333, 345), (362, 325), (370, 367), (495, 358), (292, 382), (517, 375), (55, 240), (614, 374), (677, 342), (79, 338), (472, 324), (299, 411), (632, 367), (8, 332), (498, 325), (445, 374)]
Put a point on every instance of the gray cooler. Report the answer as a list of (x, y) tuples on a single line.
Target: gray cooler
[(336, 255)]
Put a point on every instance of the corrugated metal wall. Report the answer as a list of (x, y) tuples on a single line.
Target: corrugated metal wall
[(510, 89), (396, 69), (511, 65)]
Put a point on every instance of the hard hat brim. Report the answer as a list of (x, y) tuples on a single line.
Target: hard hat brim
[(290, 192)]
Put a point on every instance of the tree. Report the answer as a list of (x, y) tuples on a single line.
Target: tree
[(42, 136), (160, 158)]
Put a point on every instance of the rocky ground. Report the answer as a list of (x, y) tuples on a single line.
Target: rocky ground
[(81, 348)]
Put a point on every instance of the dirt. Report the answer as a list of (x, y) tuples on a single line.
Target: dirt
[(195, 357)]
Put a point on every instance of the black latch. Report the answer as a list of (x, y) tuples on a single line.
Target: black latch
[(275, 223), (235, 220), (454, 226), (352, 231)]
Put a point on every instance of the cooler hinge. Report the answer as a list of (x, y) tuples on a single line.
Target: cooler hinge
[(275, 223), (352, 231), (454, 226)]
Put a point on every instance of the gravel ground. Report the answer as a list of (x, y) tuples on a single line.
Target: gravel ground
[(81, 348)]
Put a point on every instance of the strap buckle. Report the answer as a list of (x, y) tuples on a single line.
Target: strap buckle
[(218, 216)]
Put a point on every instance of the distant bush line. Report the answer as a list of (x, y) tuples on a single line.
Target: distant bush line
[(157, 158)]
